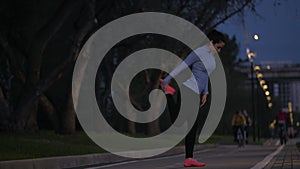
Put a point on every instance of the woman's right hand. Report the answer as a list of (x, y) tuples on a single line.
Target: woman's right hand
[(165, 88)]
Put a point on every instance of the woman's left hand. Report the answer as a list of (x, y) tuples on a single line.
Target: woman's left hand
[(203, 99)]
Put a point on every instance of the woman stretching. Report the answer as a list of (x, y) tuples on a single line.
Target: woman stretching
[(198, 84)]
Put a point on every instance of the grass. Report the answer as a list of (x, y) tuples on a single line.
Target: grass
[(220, 139), (228, 139), (44, 144), (47, 144)]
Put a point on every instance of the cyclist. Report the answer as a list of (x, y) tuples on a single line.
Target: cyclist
[(238, 122), (282, 120)]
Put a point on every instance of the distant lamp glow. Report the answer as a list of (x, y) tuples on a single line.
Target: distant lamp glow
[(259, 75), (257, 68), (267, 93), (250, 55), (269, 98), (265, 87), (268, 67), (291, 118), (262, 82), (270, 105), (290, 107), (255, 37)]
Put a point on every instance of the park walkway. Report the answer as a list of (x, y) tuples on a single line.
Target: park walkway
[(287, 158)]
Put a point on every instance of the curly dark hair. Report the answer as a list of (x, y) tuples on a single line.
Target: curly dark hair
[(216, 36)]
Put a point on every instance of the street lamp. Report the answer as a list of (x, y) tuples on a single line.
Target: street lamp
[(270, 105), (267, 93), (291, 119), (255, 37), (265, 87), (257, 68), (251, 56), (259, 75)]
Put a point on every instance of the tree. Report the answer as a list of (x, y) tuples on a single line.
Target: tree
[(32, 32)]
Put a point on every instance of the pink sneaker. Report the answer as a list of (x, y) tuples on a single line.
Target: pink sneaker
[(168, 89), (192, 163)]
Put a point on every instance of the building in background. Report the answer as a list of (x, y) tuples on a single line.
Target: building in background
[(283, 80)]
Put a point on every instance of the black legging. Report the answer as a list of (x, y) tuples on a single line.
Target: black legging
[(174, 107)]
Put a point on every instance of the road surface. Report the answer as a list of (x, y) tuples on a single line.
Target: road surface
[(219, 157)]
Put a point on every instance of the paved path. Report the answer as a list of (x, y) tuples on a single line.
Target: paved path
[(267, 156), (288, 158), (224, 156)]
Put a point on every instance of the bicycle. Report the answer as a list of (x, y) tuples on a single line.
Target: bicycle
[(241, 137), (282, 134)]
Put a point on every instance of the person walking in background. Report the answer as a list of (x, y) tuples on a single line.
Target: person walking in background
[(199, 85), (238, 122)]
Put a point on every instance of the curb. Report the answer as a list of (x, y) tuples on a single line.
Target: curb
[(82, 160)]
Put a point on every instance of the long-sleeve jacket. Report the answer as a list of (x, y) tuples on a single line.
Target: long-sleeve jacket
[(202, 63)]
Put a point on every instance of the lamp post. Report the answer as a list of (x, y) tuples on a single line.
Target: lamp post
[(260, 82), (291, 119), (250, 57)]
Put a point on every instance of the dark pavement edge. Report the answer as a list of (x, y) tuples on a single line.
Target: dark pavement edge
[(106, 158), (82, 160)]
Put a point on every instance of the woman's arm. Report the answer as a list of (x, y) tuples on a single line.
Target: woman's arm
[(191, 58)]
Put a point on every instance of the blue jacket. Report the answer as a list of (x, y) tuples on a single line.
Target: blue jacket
[(202, 63)]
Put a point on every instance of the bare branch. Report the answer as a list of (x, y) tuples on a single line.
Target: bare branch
[(230, 15)]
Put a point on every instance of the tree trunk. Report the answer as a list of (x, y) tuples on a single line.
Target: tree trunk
[(50, 112), (26, 110), (4, 111), (69, 118), (31, 125), (87, 24)]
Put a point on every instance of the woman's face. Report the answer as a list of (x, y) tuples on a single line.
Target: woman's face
[(218, 46)]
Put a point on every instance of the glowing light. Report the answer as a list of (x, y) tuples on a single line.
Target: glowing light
[(259, 75), (268, 67), (250, 54), (290, 107), (262, 82), (265, 87), (269, 98), (291, 118), (270, 105), (256, 37), (267, 93), (257, 68)]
